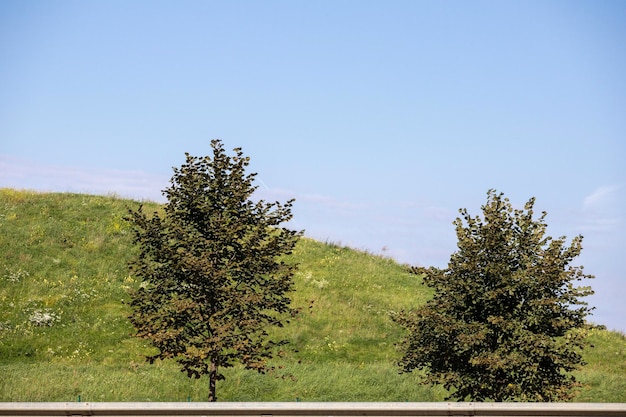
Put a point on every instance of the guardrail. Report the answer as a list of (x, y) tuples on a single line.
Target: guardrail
[(304, 409)]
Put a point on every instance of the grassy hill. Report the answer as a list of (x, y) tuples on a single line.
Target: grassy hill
[(64, 333)]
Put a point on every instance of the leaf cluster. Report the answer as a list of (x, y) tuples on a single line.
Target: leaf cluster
[(212, 279), (506, 321)]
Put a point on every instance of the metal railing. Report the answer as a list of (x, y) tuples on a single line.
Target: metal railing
[(304, 409)]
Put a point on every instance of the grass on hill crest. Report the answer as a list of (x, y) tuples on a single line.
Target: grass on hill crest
[(64, 332)]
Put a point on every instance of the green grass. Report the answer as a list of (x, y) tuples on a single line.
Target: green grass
[(64, 331), (604, 376)]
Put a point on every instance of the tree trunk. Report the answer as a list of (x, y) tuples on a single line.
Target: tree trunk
[(212, 380)]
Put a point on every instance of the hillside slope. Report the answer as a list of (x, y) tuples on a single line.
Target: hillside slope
[(63, 294)]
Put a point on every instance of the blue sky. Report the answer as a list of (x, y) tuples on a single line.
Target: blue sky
[(381, 118)]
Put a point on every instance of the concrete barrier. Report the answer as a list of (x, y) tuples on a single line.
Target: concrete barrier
[(304, 409)]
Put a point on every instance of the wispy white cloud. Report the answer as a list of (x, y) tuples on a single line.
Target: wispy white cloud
[(321, 202), (601, 211), (600, 197), (24, 174)]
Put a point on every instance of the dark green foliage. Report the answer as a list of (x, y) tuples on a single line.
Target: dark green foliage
[(212, 279), (506, 322)]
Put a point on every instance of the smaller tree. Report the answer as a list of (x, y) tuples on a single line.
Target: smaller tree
[(212, 275), (506, 322)]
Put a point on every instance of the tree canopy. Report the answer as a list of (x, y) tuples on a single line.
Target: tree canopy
[(506, 322), (211, 266)]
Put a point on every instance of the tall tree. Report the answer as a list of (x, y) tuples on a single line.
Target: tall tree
[(213, 278), (506, 322)]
